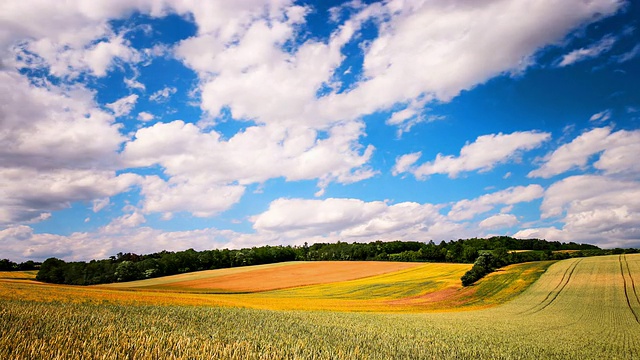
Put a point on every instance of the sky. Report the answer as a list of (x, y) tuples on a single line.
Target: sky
[(149, 125)]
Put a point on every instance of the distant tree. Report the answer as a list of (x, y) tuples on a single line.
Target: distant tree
[(53, 271), (127, 271), (469, 254), (484, 264), (28, 265), (8, 265)]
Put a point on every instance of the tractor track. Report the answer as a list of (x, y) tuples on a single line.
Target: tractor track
[(633, 285), (566, 277)]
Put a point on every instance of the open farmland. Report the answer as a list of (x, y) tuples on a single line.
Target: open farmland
[(578, 309), (267, 277)]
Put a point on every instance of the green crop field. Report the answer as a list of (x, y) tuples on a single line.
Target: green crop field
[(583, 308)]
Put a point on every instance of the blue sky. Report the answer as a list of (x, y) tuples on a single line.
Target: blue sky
[(139, 126)]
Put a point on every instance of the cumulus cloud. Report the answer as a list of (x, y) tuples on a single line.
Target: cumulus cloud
[(405, 162), (194, 194), (71, 59), (99, 204), (123, 234), (28, 193), (483, 154), (459, 46), (51, 126), (499, 221), (163, 94), (58, 147), (595, 209), (453, 56), (617, 153), (595, 50), (467, 209), (123, 106), (353, 220), (145, 116), (203, 161), (411, 115), (134, 84)]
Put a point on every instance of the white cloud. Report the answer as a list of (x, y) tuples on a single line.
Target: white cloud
[(499, 221), (145, 116), (163, 94), (453, 55), (618, 151), (590, 52), (28, 193), (353, 220), (194, 194), (629, 55), (468, 209), (316, 217), (621, 154), (411, 115), (123, 106), (124, 222), (405, 162), (434, 50), (67, 60), (58, 147), (134, 84), (99, 204), (202, 161), (586, 192), (594, 209), (601, 117), (123, 234), (53, 126), (483, 154)]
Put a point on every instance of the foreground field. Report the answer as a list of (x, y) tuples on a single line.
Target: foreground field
[(578, 309)]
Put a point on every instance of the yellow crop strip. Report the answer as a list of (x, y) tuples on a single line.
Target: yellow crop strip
[(19, 275)]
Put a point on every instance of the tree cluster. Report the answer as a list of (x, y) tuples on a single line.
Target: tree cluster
[(8, 265)]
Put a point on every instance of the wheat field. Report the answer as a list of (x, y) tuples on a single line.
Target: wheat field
[(578, 309)]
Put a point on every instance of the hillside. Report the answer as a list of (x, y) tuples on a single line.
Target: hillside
[(584, 308)]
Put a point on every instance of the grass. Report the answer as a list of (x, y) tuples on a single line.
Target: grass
[(578, 309)]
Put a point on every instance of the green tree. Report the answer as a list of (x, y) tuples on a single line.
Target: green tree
[(127, 271)]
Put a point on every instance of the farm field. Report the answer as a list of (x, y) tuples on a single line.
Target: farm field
[(416, 287), (267, 277), (584, 308)]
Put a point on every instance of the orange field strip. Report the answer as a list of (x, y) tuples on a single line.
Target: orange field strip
[(293, 275), (196, 275)]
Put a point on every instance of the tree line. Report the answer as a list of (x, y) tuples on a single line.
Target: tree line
[(8, 265), (130, 266)]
